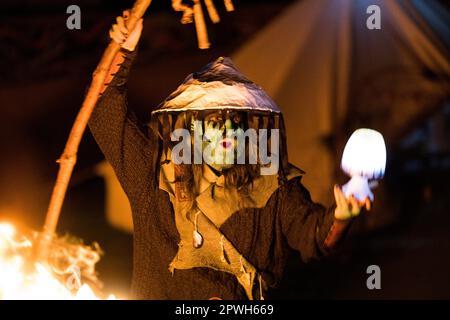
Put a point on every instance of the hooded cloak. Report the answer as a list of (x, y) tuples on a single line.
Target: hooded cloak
[(251, 242)]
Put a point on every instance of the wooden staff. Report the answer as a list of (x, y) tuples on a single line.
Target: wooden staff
[(68, 158)]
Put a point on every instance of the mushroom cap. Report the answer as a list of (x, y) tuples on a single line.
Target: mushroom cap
[(365, 154)]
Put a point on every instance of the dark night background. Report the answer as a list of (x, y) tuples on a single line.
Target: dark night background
[(45, 70)]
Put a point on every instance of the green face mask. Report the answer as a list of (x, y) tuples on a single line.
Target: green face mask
[(219, 144)]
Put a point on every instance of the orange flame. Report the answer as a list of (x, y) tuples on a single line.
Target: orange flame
[(46, 281)]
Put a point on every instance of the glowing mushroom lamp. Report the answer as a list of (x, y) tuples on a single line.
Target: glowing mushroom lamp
[(364, 159)]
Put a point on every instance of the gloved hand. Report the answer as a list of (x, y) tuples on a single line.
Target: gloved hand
[(347, 208), (120, 34)]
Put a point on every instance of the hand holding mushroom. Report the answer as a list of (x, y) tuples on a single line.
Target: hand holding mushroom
[(364, 158)]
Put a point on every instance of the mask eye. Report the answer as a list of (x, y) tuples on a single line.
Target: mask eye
[(212, 124), (214, 121)]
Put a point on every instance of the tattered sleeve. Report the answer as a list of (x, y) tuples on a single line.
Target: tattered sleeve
[(126, 144), (307, 226)]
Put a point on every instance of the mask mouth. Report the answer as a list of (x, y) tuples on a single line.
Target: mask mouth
[(226, 143)]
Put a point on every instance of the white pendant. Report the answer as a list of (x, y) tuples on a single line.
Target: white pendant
[(198, 239)]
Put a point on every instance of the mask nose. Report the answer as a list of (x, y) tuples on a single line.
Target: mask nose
[(228, 124)]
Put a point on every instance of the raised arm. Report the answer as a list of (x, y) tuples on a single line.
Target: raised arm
[(126, 144)]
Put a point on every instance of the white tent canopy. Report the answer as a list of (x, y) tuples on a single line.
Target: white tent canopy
[(329, 74)]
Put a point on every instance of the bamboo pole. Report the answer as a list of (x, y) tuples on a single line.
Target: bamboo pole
[(200, 26), (229, 5), (213, 15), (188, 12), (69, 157)]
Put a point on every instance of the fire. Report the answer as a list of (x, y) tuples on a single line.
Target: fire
[(58, 279)]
